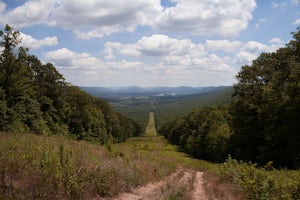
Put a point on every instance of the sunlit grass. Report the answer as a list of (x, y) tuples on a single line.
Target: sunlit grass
[(53, 167)]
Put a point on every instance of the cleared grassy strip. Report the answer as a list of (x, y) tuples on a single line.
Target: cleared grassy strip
[(150, 129), (53, 167)]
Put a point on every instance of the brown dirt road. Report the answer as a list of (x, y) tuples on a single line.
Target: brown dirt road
[(182, 184)]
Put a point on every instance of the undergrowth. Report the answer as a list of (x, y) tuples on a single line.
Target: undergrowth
[(261, 183), (53, 167), (38, 167)]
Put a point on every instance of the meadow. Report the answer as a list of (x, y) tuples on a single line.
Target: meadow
[(54, 167)]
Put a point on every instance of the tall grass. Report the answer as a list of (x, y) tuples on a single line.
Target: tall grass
[(53, 167), (261, 183), (37, 167), (40, 167)]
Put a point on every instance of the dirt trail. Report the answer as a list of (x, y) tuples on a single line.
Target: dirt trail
[(182, 184)]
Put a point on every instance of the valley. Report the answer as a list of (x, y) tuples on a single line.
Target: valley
[(136, 102)]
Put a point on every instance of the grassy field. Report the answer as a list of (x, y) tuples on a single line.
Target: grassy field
[(42, 167), (54, 167)]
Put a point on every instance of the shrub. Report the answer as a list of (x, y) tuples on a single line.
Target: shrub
[(261, 183)]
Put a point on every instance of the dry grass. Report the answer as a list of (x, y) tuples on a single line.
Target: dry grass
[(216, 189), (37, 167)]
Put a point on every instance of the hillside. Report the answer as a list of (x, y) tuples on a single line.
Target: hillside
[(169, 107), (37, 167), (135, 91), (147, 167), (34, 97)]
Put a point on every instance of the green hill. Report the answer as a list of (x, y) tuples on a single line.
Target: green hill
[(34, 97), (169, 107)]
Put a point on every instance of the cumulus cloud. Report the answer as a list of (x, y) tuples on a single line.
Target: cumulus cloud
[(225, 18), (66, 58), (87, 19), (90, 19), (28, 14), (243, 52), (174, 68), (100, 18), (244, 57), (156, 46), (277, 41), (172, 57), (163, 59), (225, 45), (32, 43)]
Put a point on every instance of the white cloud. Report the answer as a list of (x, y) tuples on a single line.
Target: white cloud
[(243, 53), (225, 45), (2, 7), (170, 58), (84, 69), (32, 43), (260, 21), (87, 19), (297, 22), (64, 57), (191, 57), (206, 17), (253, 46), (28, 14), (172, 69), (156, 46), (278, 4), (244, 57), (98, 19), (277, 41)]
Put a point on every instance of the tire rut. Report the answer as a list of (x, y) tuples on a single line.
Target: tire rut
[(182, 184)]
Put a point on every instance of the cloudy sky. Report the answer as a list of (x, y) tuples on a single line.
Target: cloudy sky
[(151, 42)]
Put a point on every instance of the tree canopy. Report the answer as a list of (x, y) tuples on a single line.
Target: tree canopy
[(261, 124), (266, 108), (35, 97)]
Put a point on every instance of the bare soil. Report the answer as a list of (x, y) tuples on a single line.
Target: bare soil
[(182, 184)]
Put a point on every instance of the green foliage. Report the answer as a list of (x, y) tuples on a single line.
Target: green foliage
[(39, 167), (261, 183), (170, 111), (203, 133), (169, 108), (262, 123), (266, 108), (35, 97)]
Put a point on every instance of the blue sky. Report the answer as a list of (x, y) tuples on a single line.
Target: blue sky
[(151, 42)]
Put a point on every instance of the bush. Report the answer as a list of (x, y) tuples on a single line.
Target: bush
[(261, 183)]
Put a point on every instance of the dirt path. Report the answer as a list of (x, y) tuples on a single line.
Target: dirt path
[(182, 184), (198, 192)]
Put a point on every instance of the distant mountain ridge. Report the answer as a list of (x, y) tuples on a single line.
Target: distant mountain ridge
[(135, 91)]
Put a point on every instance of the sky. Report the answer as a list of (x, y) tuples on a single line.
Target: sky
[(151, 42)]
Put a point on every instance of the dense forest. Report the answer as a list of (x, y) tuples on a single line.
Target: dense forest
[(34, 97), (261, 123)]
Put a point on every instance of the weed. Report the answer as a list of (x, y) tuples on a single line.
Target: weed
[(261, 183)]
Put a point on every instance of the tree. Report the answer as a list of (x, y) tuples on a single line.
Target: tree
[(203, 133), (265, 109), (35, 97)]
